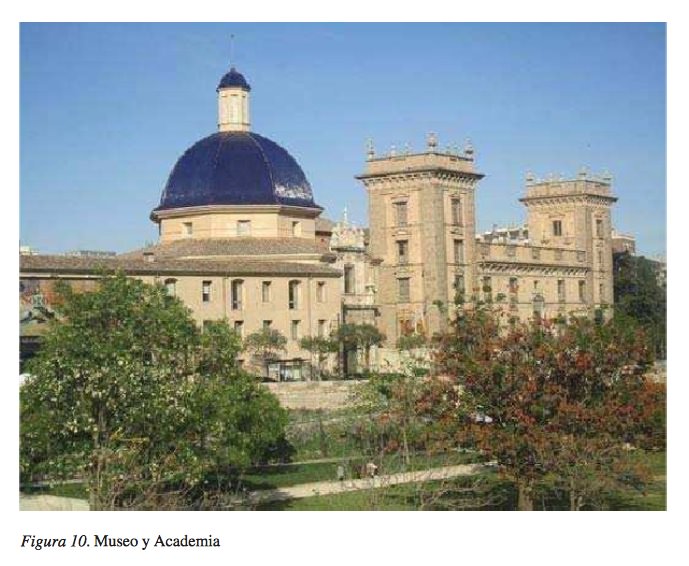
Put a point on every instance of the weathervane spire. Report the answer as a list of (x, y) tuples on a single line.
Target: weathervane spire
[(231, 50)]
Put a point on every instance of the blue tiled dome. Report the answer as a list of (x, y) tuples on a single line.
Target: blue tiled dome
[(236, 168), (233, 78)]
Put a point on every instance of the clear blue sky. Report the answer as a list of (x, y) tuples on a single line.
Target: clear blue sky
[(106, 109)]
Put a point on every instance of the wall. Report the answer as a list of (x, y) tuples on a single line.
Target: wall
[(314, 395), (269, 224)]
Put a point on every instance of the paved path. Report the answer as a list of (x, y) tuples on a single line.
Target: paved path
[(335, 487), (53, 503)]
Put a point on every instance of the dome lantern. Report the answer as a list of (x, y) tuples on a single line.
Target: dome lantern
[(233, 103)]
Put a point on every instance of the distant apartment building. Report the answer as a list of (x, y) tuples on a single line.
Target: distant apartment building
[(623, 243)]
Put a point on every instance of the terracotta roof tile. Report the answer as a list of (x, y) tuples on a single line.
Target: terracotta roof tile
[(242, 247), (130, 266)]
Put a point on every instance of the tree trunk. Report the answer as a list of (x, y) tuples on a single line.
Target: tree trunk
[(96, 475), (525, 501), (575, 500), (405, 446)]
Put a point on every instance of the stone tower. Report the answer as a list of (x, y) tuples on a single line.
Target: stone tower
[(575, 214), (422, 231)]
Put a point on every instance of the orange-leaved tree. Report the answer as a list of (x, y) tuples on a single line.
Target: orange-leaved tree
[(562, 401)]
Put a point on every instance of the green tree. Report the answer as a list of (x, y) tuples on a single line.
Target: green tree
[(128, 393), (320, 347), (414, 346), (546, 400), (265, 345), (410, 342), (640, 297), (360, 336)]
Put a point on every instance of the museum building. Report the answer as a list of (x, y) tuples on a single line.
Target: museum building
[(242, 239)]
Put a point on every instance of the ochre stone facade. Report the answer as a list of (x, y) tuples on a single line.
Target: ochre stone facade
[(422, 228), (275, 262), (430, 261)]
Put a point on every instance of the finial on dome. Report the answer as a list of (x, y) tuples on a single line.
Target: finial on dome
[(530, 178)]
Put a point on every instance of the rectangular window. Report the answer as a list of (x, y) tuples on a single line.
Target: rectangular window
[(459, 251), (294, 330), (296, 228), (601, 298), (557, 227), (459, 287), (267, 324), (561, 290), (514, 285), (294, 294), (406, 327), (320, 291), (171, 287), (239, 327), (349, 286), (321, 328), (535, 253), (265, 291), (236, 292), (487, 289), (600, 259), (513, 292), (401, 213), (599, 228), (206, 291), (403, 289), (402, 252), (582, 291), (187, 228), (243, 227), (456, 209)]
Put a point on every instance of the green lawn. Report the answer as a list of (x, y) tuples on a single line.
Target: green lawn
[(75, 490), (483, 491), (271, 477), (487, 491)]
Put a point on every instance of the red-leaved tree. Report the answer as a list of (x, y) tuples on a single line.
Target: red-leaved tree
[(554, 401)]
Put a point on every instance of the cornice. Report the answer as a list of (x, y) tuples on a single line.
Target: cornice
[(303, 211)]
